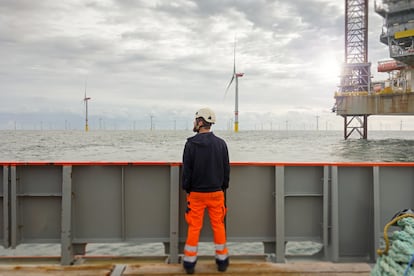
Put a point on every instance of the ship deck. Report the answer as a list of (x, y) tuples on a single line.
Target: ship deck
[(152, 266)]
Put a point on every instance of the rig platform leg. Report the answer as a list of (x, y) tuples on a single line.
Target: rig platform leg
[(358, 123)]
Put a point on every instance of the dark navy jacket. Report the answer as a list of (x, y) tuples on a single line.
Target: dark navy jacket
[(206, 165)]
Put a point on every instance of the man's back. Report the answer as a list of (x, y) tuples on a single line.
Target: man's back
[(206, 172), (205, 163)]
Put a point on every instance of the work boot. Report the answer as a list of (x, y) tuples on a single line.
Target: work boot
[(189, 267), (222, 264)]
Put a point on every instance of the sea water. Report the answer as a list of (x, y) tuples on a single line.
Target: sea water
[(157, 145), (253, 146)]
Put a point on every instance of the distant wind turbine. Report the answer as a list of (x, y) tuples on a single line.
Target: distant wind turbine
[(86, 99), (235, 76)]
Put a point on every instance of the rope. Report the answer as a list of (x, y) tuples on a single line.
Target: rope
[(409, 265), (398, 255)]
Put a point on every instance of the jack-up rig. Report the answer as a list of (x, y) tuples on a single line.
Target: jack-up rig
[(358, 97)]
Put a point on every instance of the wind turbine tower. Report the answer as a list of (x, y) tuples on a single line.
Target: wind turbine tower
[(86, 99), (236, 77)]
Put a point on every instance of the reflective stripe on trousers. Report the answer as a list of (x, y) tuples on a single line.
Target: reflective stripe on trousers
[(190, 253), (221, 252), (194, 215)]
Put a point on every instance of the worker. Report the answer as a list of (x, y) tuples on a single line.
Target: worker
[(205, 179)]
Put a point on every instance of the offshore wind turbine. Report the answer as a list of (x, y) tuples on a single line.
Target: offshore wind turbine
[(236, 77), (86, 99)]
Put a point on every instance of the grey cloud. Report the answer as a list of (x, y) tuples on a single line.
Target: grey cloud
[(135, 54)]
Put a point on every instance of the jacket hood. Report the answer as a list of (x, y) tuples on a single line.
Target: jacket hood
[(202, 139)]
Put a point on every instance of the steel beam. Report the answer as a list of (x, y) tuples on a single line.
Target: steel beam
[(174, 213), (6, 221), (13, 207), (335, 215), (123, 207), (67, 252), (325, 226), (361, 128), (280, 213), (377, 209)]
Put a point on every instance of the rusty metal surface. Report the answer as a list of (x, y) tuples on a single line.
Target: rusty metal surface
[(380, 104)]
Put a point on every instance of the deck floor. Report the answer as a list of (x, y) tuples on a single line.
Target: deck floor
[(117, 267)]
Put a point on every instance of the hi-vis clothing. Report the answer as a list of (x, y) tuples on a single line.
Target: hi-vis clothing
[(196, 204), (206, 171)]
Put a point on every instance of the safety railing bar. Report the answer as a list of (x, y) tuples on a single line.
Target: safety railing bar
[(39, 195), (280, 213), (6, 222), (233, 163), (335, 214), (13, 207), (174, 213), (377, 208), (67, 253), (304, 195), (123, 207), (325, 215)]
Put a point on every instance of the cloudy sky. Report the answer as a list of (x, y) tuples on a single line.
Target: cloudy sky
[(161, 60)]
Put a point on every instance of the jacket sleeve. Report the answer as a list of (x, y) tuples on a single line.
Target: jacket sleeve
[(187, 168), (226, 166)]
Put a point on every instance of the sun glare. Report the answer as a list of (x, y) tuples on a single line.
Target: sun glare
[(329, 67)]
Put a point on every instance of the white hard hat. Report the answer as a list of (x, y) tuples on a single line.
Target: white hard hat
[(207, 114)]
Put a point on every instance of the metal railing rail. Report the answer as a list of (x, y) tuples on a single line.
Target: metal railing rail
[(342, 206)]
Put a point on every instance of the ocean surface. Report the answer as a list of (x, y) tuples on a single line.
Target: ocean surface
[(157, 145)]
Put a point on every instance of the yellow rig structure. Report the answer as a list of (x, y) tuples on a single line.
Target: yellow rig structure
[(358, 97)]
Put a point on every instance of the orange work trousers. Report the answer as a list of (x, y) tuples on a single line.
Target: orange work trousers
[(196, 204)]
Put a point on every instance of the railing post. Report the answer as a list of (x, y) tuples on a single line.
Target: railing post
[(67, 256), (6, 225), (174, 213), (280, 213), (377, 209), (123, 207), (325, 227), (13, 207), (335, 214)]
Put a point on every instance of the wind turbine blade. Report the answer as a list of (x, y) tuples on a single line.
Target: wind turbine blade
[(228, 86), (234, 68), (86, 83)]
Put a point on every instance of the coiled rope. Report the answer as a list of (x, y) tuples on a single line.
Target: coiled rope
[(398, 256)]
